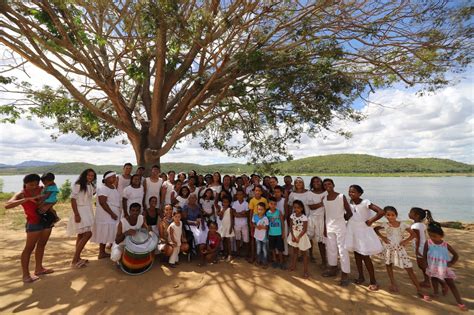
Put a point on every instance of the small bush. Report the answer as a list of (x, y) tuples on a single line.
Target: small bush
[(65, 191)]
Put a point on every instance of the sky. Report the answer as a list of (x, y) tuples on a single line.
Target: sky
[(400, 124)]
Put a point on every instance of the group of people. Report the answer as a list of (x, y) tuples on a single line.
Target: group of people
[(214, 217)]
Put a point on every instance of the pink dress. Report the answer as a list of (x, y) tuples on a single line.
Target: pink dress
[(438, 258)]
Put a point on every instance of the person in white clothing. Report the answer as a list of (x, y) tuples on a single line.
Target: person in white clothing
[(153, 187), (361, 237), (127, 226), (418, 227), (134, 193), (169, 187), (337, 211), (316, 219), (123, 180), (176, 239), (107, 213), (240, 209), (82, 216), (299, 193)]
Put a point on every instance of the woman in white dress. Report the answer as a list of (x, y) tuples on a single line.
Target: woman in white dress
[(361, 237), (316, 218), (134, 193), (107, 214), (82, 217)]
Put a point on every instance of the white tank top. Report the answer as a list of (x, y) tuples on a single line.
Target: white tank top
[(361, 212), (169, 190), (127, 226), (334, 210), (153, 189), (122, 183), (177, 232)]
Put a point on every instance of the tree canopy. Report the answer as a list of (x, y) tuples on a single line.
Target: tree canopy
[(247, 77)]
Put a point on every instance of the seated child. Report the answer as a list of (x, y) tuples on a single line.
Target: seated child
[(50, 192), (208, 251)]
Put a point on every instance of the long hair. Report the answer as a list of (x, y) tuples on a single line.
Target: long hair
[(82, 180)]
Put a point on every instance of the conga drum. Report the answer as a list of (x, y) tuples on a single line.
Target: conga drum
[(139, 252)]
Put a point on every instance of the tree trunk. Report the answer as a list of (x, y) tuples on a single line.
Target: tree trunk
[(146, 155)]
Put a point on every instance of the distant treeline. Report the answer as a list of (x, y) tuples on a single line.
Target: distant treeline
[(344, 164)]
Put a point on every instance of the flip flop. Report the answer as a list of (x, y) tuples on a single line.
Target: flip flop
[(80, 264), (30, 279), (359, 281), (44, 272), (374, 287), (344, 283), (463, 307)]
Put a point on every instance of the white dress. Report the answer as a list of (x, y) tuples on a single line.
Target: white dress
[(394, 253), (360, 237), (303, 197), (297, 227), (224, 227), (169, 189), (85, 209), (421, 227), (316, 217), (104, 229), (153, 189), (206, 206), (133, 195)]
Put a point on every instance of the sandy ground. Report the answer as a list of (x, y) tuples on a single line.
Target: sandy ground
[(225, 288)]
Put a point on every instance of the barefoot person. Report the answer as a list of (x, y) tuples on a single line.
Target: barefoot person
[(37, 234), (82, 216), (107, 214)]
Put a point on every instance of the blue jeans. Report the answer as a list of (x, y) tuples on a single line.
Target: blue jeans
[(261, 251)]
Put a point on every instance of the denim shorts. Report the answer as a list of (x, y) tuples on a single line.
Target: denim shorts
[(34, 227)]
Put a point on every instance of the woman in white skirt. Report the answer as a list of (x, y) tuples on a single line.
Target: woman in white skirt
[(316, 219), (82, 216), (107, 214), (361, 237)]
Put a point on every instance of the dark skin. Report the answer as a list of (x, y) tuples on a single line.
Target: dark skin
[(132, 218), (438, 239), (258, 192), (318, 188), (136, 182), (163, 226), (225, 206), (206, 252), (243, 214), (296, 238), (109, 182), (276, 253), (332, 195), (419, 260), (365, 259)]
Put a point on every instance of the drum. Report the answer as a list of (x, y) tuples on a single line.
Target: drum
[(139, 252)]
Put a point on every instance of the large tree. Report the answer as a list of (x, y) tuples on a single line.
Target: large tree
[(245, 76)]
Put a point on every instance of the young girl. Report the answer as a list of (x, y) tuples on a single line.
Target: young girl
[(316, 218), (337, 212), (82, 216), (37, 235), (182, 198), (207, 205), (134, 193), (361, 237), (208, 251), (176, 238), (418, 215), (127, 226), (107, 213), (437, 260), (260, 222), (394, 251), (226, 229), (163, 245), (298, 238)]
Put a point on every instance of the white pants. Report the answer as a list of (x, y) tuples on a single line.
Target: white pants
[(242, 233), (175, 255), (116, 252), (335, 243)]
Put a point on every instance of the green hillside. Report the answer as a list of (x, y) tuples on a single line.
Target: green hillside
[(346, 164)]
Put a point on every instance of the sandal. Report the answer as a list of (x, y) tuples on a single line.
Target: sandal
[(374, 287), (424, 297), (393, 289), (329, 273), (30, 279), (78, 265), (306, 275), (44, 272), (463, 307)]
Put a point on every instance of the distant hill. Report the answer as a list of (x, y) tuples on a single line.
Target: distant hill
[(346, 164), (27, 164)]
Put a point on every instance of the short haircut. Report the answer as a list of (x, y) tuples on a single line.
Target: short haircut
[(31, 178), (272, 199), (128, 164), (48, 176)]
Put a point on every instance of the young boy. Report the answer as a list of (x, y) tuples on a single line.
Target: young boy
[(280, 200), (275, 232), (240, 210), (253, 204), (260, 221), (49, 193)]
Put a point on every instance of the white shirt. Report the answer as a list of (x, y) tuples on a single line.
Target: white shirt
[(133, 195), (303, 197), (334, 210), (240, 207), (153, 189), (169, 190), (314, 198)]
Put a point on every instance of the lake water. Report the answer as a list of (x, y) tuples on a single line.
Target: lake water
[(449, 198)]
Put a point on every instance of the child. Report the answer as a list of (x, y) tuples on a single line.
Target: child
[(226, 229), (50, 193), (260, 223), (176, 238), (418, 215), (360, 236), (207, 205), (437, 261), (253, 204), (337, 210), (82, 216), (298, 238), (394, 249), (164, 246), (240, 209), (127, 226), (281, 201), (275, 232), (208, 251)]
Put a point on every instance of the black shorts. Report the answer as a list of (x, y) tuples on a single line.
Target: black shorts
[(276, 242)]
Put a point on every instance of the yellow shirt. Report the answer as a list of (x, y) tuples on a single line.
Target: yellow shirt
[(254, 203)]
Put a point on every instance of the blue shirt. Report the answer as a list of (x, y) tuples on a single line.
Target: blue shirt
[(53, 189), (274, 226)]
